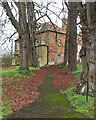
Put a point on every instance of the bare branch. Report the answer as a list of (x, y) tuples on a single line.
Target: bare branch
[(12, 36), (41, 17), (16, 3), (56, 15), (10, 15), (66, 4)]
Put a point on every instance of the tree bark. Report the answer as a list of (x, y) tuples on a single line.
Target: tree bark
[(32, 28), (23, 38), (83, 77), (91, 19), (26, 33), (72, 47), (87, 53)]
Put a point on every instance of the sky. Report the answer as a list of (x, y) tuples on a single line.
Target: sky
[(9, 29), (5, 32)]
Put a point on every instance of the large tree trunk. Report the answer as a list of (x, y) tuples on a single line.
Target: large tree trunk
[(87, 53), (32, 28), (91, 19), (23, 37), (72, 47)]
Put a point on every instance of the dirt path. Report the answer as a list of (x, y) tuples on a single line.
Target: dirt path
[(52, 104)]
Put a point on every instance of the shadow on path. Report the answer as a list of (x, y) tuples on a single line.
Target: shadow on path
[(52, 104)]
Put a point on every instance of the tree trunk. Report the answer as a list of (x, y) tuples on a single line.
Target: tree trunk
[(80, 88), (32, 29), (23, 38), (91, 46), (72, 47), (26, 33), (87, 53)]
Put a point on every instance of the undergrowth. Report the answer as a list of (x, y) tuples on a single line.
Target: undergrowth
[(12, 74), (79, 102), (79, 68)]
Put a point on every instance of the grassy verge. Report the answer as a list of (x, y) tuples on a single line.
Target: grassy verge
[(14, 72), (9, 75), (79, 102), (7, 106), (30, 68)]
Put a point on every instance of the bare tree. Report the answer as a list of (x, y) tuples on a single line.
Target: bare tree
[(26, 33)]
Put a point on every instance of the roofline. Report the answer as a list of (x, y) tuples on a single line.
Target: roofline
[(47, 31), (50, 31), (16, 40)]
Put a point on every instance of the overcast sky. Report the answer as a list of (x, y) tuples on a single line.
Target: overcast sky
[(9, 29)]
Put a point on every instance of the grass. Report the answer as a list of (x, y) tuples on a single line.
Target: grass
[(79, 102), (19, 88), (6, 106), (10, 75), (79, 70), (50, 75), (30, 68), (15, 72)]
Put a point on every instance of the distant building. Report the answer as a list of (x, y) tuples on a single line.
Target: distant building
[(50, 42)]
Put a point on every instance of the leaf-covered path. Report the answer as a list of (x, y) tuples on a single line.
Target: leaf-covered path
[(52, 104)]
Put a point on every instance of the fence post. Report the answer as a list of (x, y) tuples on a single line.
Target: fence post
[(87, 91)]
